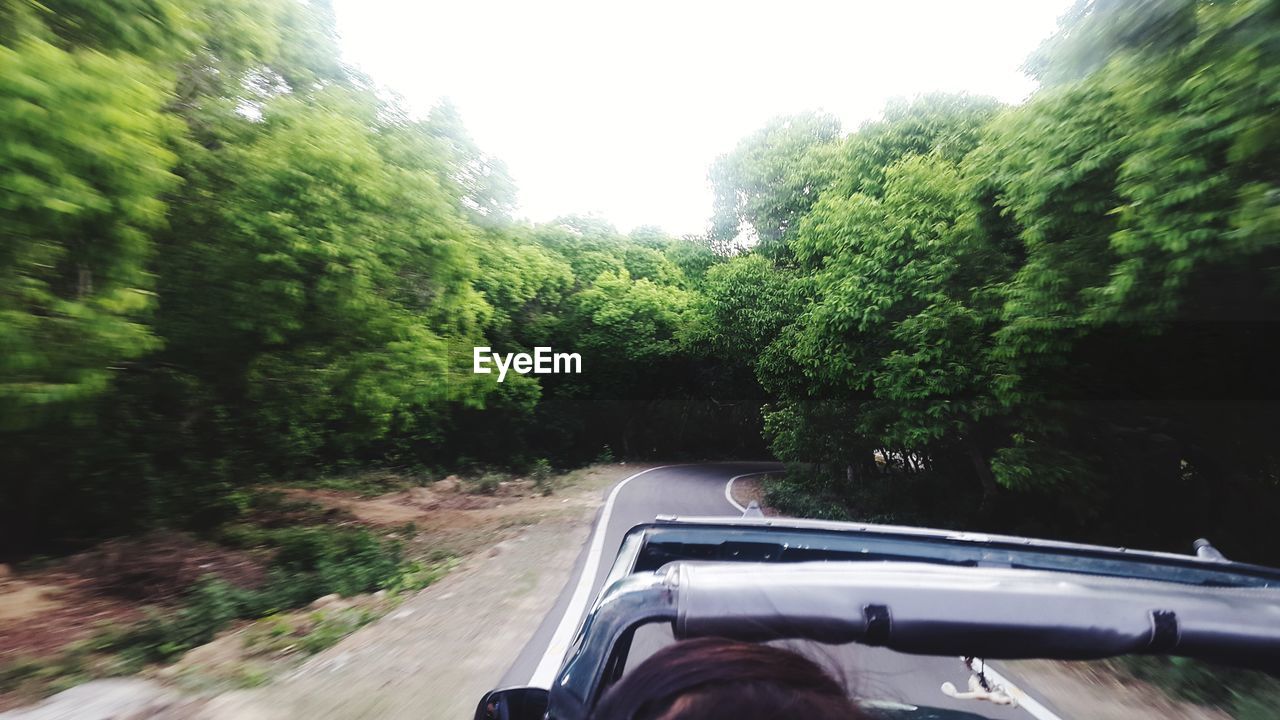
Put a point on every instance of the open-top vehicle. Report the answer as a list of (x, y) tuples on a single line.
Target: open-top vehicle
[(912, 590)]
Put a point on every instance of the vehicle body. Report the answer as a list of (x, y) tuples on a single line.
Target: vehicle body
[(912, 590)]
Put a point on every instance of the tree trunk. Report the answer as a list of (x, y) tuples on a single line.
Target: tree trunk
[(626, 438), (988, 479), (84, 282)]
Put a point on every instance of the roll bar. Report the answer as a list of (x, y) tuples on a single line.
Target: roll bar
[(917, 590), (995, 613)]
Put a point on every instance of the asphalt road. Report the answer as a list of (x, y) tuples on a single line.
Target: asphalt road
[(700, 490)]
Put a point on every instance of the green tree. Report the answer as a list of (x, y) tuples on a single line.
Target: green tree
[(771, 179), (742, 307), (906, 299), (324, 285), (630, 322), (85, 167), (480, 181), (527, 285)]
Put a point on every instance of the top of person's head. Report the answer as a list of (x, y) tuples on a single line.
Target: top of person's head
[(714, 679)]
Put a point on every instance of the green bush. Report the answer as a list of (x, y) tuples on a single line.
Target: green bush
[(541, 474), (15, 672), (417, 575), (321, 630), (315, 561), (920, 498), (1247, 695), (309, 562), (366, 483), (486, 484), (794, 497), (320, 560), (211, 606), (329, 629)]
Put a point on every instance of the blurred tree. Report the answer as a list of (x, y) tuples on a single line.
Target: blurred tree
[(321, 284), (1093, 31), (481, 181), (771, 179), (83, 168), (528, 287), (949, 126)]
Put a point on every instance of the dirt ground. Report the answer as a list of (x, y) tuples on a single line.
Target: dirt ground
[(42, 614), (44, 610)]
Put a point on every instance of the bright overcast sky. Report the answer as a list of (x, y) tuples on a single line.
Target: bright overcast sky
[(618, 109)]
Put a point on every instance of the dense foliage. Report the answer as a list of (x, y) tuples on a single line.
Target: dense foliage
[(226, 258), (1052, 318)]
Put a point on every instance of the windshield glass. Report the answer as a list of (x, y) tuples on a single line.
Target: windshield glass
[(780, 544)]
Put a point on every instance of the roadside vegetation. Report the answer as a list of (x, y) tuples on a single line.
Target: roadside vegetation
[(302, 569), (1244, 695), (169, 597), (1048, 319), (232, 271)]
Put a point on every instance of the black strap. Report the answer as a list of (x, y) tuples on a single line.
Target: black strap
[(1164, 631), (879, 624)]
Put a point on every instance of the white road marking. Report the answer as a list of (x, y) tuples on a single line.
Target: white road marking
[(728, 488), (1025, 701), (545, 673)]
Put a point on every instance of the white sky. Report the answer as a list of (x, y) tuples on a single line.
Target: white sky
[(618, 109)]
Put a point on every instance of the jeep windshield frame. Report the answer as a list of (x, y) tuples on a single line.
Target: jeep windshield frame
[(787, 540), (682, 571)]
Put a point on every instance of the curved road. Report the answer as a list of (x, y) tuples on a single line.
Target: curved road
[(700, 489)]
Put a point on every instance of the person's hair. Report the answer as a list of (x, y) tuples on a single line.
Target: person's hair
[(717, 679)]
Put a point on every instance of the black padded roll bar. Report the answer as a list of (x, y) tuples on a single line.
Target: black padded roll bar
[(994, 613)]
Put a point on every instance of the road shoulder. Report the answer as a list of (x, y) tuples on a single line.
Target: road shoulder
[(440, 650)]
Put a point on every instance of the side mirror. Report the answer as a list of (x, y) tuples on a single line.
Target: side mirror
[(517, 703)]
